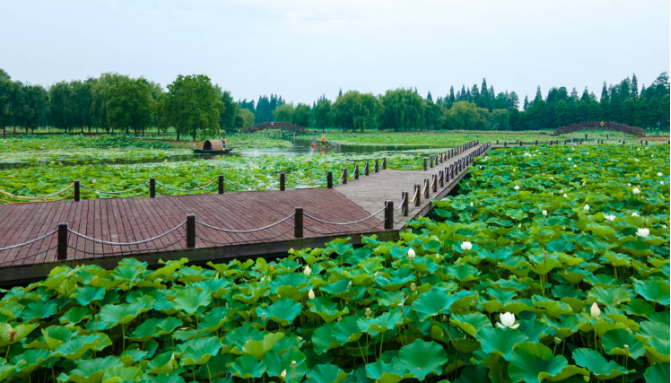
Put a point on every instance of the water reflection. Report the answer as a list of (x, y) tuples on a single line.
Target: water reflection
[(303, 147)]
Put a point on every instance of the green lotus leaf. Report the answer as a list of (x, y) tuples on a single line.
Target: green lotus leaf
[(464, 273), (257, 348), (421, 358), (437, 301), (323, 339), (470, 323), (391, 299), (289, 285), (657, 373), (218, 287), (545, 265), (500, 341), (121, 314), (612, 296), (235, 340), (327, 373), (52, 337), (622, 342), (29, 360), (121, 374), (75, 315), (597, 364), (189, 300), (533, 363), (382, 323), (213, 320), (77, 347), (92, 370), (283, 311), (326, 309), (247, 366), (347, 330), (38, 310), (162, 364), (87, 294), (200, 350), (132, 356), (653, 290), (171, 378), (386, 373), (12, 334), (336, 288)]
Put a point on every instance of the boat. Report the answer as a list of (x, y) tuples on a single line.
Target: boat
[(212, 147)]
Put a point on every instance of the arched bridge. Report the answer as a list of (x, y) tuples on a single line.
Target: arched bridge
[(275, 125), (600, 125)]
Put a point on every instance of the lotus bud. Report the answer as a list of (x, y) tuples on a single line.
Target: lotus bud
[(311, 294), (411, 254), (635, 214), (263, 317), (545, 213), (272, 268), (413, 287), (626, 348), (507, 320), (586, 208), (437, 257), (565, 196), (575, 166), (517, 187), (659, 174), (284, 374), (368, 312), (557, 340), (472, 204), (307, 271), (569, 158), (594, 310), (94, 180), (661, 182), (349, 285), (643, 232), (466, 245), (636, 191), (293, 364)]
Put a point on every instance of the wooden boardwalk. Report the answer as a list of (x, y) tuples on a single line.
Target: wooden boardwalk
[(242, 224)]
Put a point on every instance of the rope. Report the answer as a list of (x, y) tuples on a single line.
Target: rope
[(126, 243), (425, 186), (414, 197), (401, 205), (433, 181), (28, 256), (346, 223), (29, 242), (121, 252), (341, 232), (36, 198), (244, 241), (50, 200), (112, 192), (246, 231), (186, 191)]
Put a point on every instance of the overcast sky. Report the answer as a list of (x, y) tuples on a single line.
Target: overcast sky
[(301, 49)]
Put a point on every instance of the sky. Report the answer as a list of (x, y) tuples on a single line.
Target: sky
[(302, 49)]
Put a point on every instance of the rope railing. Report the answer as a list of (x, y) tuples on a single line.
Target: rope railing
[(109, 243), (28, 242), (186, 191), (113, 192), (345, 223), (36, 198), (245, 231)]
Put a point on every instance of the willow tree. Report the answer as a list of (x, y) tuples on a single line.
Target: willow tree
[(193, 106), (130, 105)]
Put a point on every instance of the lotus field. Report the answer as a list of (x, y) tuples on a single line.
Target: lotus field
[(550, 264)]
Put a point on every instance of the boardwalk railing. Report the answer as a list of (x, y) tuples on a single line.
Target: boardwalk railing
[(184, 235), (578, 141)]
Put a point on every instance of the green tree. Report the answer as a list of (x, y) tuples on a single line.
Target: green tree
[(99, 98), (301, 115), (357, 111), (129, 106), (244, 118), (464, 115), (230, 111), (193, 106), (403, 110), (284, 113), (323, 114)]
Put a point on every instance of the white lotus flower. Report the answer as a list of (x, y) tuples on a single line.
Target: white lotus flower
[(661, 182), (517, 187), (507, 321), (284, 374), (411, 254), (466, 245), (307, 271), (575, 166), (565, 196), (643, 232), (594, 310), (311, 294), (659, 174), (472, 204), (545, 212), (610, 217), (586, 208), (635, 214), (569, 158), (636, 191)]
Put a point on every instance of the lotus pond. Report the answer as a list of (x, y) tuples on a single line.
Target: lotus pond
[(549, 265)]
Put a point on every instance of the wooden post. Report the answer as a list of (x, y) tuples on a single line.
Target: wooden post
[(152, 187), (431, 163), (377, 166), (62, 244), (283, 181), (442, 176), (344, 176), (384, 163), (425, 164), (435, 183), (366, 170), (404, 207), (221, 184), (76, 183), (329, 180), (389, 215), (505, 144), (356, 172), (418, 195), (426, 189), (190, 231), (298, 222)]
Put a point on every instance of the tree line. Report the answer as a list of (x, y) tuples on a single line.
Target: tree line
[(196, 107)]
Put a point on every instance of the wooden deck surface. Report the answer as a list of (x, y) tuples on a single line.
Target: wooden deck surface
[(124, 220)]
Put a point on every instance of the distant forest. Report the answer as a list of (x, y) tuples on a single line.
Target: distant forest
[(194, 106)]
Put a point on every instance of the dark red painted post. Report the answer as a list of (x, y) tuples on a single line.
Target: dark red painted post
[(344, 176), (356, 172), (389, 215), (76, 192), (404, 208), (221, 184), (283, 181), (190, 231), (298, 222), (329, 180), (152, 188), (62, 243)]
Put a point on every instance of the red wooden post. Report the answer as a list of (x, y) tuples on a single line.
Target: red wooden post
[(298, 222), (389, 215)]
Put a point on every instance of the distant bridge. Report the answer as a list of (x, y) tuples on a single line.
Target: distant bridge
[(600, 125), (275, 125)]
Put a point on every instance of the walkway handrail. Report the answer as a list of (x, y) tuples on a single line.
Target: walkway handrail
[(346, 223), (112, 192), (37, 198), (100, 241), (186, 191), (29, 242), (245, 231)]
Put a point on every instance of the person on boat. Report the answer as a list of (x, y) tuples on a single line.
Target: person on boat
[(323, 140), (314, 140), (223, 142)]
